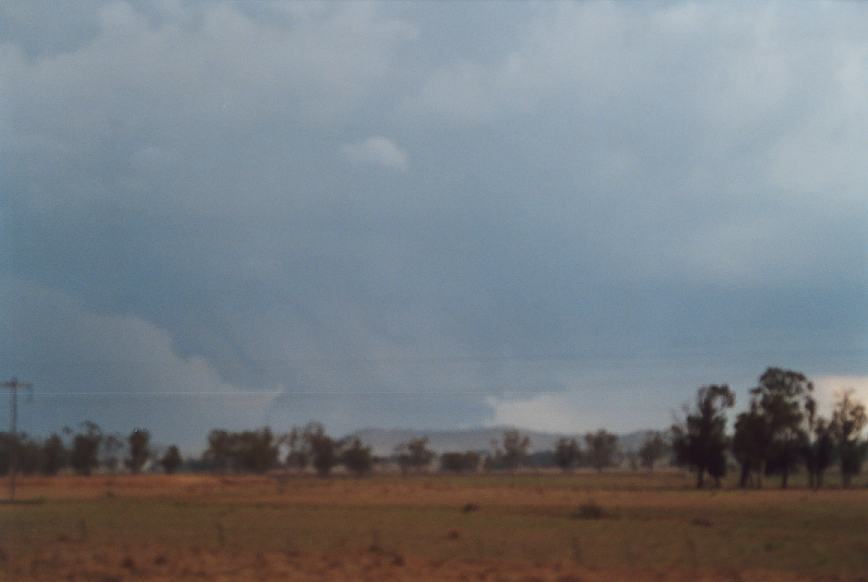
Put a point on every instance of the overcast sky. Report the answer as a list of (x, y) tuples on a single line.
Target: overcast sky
[(427, 215)]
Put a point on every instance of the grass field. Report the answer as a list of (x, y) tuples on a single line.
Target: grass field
[(479, 527)]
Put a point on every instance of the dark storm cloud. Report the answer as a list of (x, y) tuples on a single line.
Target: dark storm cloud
[(306, 201)]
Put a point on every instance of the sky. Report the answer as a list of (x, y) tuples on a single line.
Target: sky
[(427, 215)]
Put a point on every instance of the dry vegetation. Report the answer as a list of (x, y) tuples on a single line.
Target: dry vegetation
[(479, 527)]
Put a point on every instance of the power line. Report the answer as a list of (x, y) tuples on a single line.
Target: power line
[(255, 393)]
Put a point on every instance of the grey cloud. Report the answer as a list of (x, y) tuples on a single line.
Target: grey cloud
[(588, 181), (118, 370)]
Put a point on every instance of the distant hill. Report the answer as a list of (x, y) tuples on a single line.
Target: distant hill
[(384, 441)]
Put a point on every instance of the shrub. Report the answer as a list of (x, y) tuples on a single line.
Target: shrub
[(589, 510)]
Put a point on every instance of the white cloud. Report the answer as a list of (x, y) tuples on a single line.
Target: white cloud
[(379, 151), (541, 412), (829, 388), (591, 401), (579, 410)]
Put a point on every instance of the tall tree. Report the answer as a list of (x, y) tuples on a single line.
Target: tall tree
[(29, 453), (602, 448), (750, 445), (356, 457), (567, 453), (110, 452), (819, 448), (54, 455), (219, 451), (254, 451), (246, 451), (139, 443), (782, 397), (653, 449), (700, 441), (848, 420), (85, 448), (414, 454), (298, 456), (323, 448), (515, 447), (171, 460)]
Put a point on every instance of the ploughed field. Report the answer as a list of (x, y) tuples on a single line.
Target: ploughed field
[(477, 527)]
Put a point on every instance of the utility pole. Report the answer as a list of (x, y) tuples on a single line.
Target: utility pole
[(14, 386)]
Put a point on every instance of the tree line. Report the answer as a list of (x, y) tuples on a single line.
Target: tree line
[(779, 433), (86, 451), (309, 447)]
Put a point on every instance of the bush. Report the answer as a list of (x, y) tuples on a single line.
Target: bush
[(589, 510), (459, 462), (357, 457)]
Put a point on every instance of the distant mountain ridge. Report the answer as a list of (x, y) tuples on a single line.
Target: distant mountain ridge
[(383, 441)]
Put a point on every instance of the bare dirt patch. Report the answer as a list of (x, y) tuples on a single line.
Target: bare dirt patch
[(519, 527)]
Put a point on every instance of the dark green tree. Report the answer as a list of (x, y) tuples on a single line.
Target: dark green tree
[(700, 442), (139, 443), (455, 462), (567, 453), (515, 447), (602, 449), (85, 448), (254, 451), (781, 397), (652, 450), (54, 455), (110, 452), (848, 420), (249, 451), (219, 452), (29, 453), (298, 456), (819, 447), (322, 448), (171, 460), (414, 455), (750, 445), (356, 457)]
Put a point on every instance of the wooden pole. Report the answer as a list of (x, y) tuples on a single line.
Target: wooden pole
[(14, 386)]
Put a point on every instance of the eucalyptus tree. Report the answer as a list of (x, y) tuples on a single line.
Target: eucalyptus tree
[(54, 455), (139, 443), (323, 449), (567, 453), (414, 455), (750, 445), (700, 440), (602, 449), (653, 449), (819, 448), (783, 398), (848, 420), (515, 448), (356, 457), (84, 457), (171, 460)]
